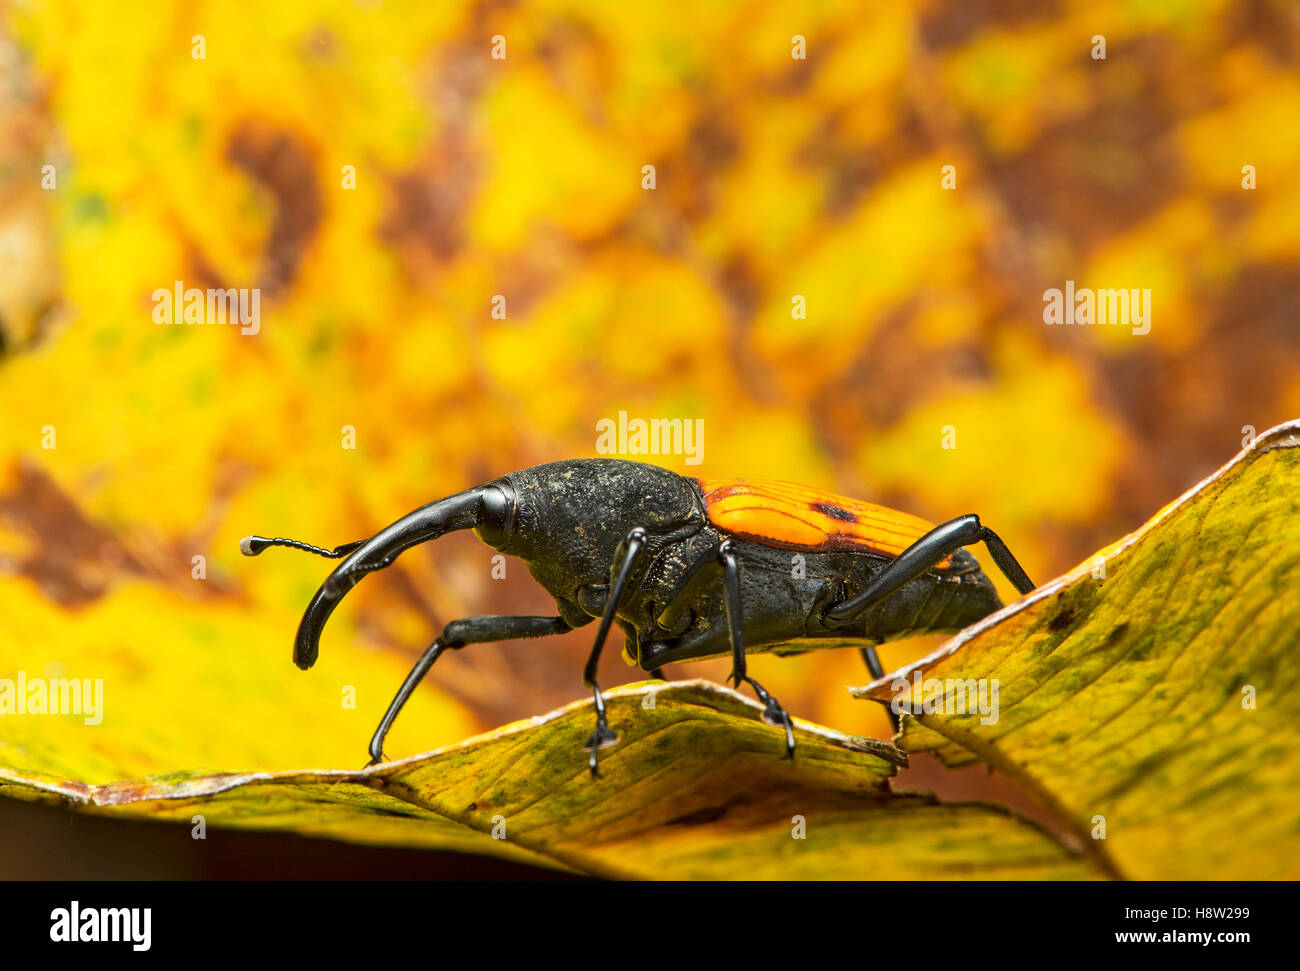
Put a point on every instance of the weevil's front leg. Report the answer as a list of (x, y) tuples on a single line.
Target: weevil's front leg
[(938, 543), (773, 713), (625, 560), (457, 634)]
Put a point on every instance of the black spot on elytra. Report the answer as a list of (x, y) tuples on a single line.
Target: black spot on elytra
[(835, 512), (1061, 620), (1118, 631)]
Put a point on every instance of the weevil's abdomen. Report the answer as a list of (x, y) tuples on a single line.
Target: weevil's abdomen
[(796, 517)]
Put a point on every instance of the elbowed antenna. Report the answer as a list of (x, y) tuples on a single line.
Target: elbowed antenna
[(253, 545), (460, 511)]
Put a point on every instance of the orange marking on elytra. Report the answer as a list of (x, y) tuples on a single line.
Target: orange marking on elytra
[(796, 517)]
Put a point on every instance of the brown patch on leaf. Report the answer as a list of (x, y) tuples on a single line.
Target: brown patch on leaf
[(30, 276), (712, 145), (794, 79), (1088, 177), (283, 165), (849, 170), (889, 376), (75, 559), (428, 205), (739, 284), (1185, 408), (430, 199), (953, 24), (1273, 26)]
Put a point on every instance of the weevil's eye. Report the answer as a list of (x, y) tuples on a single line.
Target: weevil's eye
[(496, 517)]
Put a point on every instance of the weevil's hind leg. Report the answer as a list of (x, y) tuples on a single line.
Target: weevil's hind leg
[(457, 634), (877, 670), (938, 543), (625, 559), (773, 713), (873, 662)]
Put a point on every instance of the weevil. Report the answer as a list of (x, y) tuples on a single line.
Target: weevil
[(688, 569)]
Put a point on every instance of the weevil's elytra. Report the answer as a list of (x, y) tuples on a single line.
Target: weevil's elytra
[(686, 569), (798, 518)]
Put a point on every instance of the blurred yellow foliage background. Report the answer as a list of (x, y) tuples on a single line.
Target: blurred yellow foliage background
[(522, 177)]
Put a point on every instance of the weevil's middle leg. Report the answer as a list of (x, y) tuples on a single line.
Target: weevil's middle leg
[(773, 713), (625, 560), (457, 634)]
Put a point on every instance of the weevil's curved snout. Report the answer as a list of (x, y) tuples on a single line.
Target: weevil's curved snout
[(461, 511)]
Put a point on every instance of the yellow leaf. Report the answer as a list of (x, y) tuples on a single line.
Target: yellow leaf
[(1156, 702), (696, 788)]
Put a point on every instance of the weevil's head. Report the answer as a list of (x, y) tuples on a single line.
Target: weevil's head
[(564, 520), (460, 511)]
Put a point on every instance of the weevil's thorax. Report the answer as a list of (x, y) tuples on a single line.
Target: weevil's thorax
[(570, 517)]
